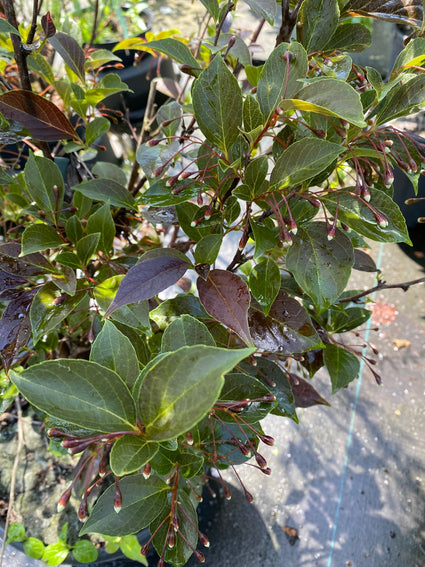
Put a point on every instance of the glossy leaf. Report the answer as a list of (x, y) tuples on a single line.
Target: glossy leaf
[(130, 453), (350, 37), (264, 283), (274, 83), (185, 331), (189, 463), (207, 249), (255, 174), (142, 501), (114, 350), (159, 194), (39, 116), (264, 8), (266, 236), (74, 229), (303, 160), (396, 11), (217, 104), (331, 97), (342, 365), (70, 51), (170, 309), (179, 554), (225, 297), (109, 171), (65, 280), (304, 393), (42, 175), (107, 190), (15, 327), (49, 308), (12, 262), (320, 266), (147, 279), (87, 246), (179, 389), (319, 19), (79, 391), (363, 262), (412, 54), (358, 216), (9, 281), (350, 318), (39, 236), (171, 112), (101, 222), (239, 386), (287, 328), (85, 551), (96, 128), (401, 100), (270, 374)]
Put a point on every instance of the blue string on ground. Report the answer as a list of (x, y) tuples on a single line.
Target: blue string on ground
[(350, 433)]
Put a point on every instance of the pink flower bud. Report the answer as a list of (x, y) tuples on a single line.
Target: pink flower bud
[(64, 499)]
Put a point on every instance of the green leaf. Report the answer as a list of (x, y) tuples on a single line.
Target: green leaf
[(41, 176), (87, 246), (319, 20), (255, 174), (350, 37), (65, 280), (190, 377), (190, 463), (264, 282), (5, 27), (217, 104), (159, 194), (395, 11), (402, 100), (207, 249), (40, 65), (114, 350), (277, 381), (84, 551), (343, 366), (39, 236), (266, 236), (252, 116), (170, 309), (240, 386), (70, 51), (185, 331), (264, 8), (107, 190), (174, 48), (331, 97), (142, 501), (412, 54), (321, 267), (100, 57), (188, 528), (96, 128), (34, 548), (49, 308), (109, 171), (357, 215), (212, 7), (55, 553), (349, 319), (74, 229), (15, 533), (303, 160), (275, 83), (130, 453), (171, 112), (102, 222), (79, 391), (131, 548)]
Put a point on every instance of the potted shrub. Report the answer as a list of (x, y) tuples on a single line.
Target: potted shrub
[(294, 158)]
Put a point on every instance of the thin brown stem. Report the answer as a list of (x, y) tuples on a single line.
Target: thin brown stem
[(289, 19), (228, 9), (94, 28), (33, 28), (19, 446), (380, 286)]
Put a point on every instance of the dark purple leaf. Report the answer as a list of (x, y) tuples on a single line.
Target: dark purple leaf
[(24, 266), (70, 51), (15, 327), (397, 11), (225, 296), (364, 262), (148, 278), (287, 329), (48, 25), (304, 393), (39, 116), (8, 281)]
